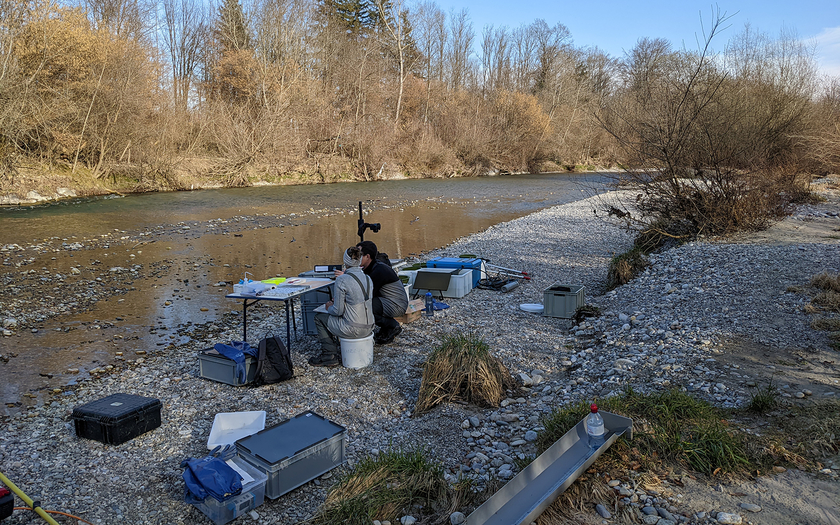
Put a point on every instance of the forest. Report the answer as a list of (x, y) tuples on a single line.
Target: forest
[(148, 95)]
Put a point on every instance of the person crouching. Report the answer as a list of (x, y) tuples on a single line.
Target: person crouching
[(350, 313)]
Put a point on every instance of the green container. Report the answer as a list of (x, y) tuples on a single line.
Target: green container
[(563, 300)]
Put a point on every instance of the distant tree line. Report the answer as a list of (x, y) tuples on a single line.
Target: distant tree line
[(319, 90)]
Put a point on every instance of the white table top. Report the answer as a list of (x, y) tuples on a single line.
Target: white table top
[(313, 283)]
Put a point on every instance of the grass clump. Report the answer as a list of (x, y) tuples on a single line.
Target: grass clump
[(764, 399), (829, 296), (669, 426), (461, 368), (624, 267), (386, 487)]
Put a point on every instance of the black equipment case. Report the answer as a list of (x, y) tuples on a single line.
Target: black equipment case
[(7, 503), (117, 418)]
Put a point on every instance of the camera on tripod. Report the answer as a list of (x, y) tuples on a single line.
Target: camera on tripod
[(375, 227)]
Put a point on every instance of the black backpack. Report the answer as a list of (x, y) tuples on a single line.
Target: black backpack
[(274, 362)]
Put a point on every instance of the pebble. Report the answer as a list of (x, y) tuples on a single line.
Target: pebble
[(725, 518), (602, 511), (750, 507)]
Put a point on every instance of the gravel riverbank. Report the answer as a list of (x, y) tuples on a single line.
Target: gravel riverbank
[(680, 324)]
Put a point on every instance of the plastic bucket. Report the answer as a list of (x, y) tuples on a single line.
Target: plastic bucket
[(357, 353)]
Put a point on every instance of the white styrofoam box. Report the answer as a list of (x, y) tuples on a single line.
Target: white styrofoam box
[(460, 284), (230, 426)]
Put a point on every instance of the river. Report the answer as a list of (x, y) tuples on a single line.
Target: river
[(93, 280)]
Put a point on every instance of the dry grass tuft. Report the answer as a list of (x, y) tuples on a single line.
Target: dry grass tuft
[(388, 486), (826, 323), (624, 267), (827, 282), (461, 368)]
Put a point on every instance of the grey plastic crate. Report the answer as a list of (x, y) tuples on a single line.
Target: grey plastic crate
[(318, 297), (215, 366), (563, 300), (308, 315), (295, 451)]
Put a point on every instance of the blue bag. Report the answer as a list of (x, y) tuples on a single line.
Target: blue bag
[(209, 476), (236, 351)]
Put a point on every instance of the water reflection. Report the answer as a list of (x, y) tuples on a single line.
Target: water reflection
[(265, 231)]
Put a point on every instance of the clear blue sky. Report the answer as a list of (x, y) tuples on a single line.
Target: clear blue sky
[(614, 26)]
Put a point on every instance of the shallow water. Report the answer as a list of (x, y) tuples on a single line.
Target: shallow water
[(186, 242)]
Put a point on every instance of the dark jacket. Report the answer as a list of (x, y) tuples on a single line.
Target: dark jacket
[(388, 288)]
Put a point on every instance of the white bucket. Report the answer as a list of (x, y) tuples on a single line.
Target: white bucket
[(357, 353)]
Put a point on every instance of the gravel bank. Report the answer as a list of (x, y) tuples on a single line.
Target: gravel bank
[(671, 327)]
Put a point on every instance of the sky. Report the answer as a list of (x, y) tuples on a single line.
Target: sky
[(614, 26)]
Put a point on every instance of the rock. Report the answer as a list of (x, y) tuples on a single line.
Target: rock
[(530, 436), (602, 511), (752, 507), (728, 519), (650, 519), (457, 518), (408, 520)]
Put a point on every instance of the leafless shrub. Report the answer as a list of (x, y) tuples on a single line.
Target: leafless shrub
[(711, 142)]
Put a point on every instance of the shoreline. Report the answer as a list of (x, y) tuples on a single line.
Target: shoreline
[(62, 191), (649, 337)]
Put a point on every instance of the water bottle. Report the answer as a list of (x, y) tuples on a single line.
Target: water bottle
[(595, 427), (430, 305)]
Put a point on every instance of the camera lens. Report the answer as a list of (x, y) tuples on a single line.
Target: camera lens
[(375, 227)]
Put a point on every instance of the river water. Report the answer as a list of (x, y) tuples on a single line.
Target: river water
[(76, 315)]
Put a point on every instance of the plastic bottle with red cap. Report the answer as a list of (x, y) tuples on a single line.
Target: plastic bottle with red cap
[(595, 427)]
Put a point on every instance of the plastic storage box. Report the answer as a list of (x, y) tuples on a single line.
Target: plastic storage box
[(117, 418), (458, 262), (563, 300), (309, 302), (251, 497), (460, 283), (295, 451), (215, 366)]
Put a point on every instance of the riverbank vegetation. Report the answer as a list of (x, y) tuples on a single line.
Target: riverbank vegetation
[(130, 95)]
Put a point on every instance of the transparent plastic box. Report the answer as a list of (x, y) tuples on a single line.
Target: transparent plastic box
[(251, 497)]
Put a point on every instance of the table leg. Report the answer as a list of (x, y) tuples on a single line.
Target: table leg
[(245, 320), (288, 328)]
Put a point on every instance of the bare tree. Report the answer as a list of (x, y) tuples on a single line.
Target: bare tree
[(495, 59), (713, 147), (393, 17), (432, 36), (131, 19), (460, 43), (185, 37)]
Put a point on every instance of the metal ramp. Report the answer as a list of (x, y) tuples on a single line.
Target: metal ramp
[(530, 492)]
